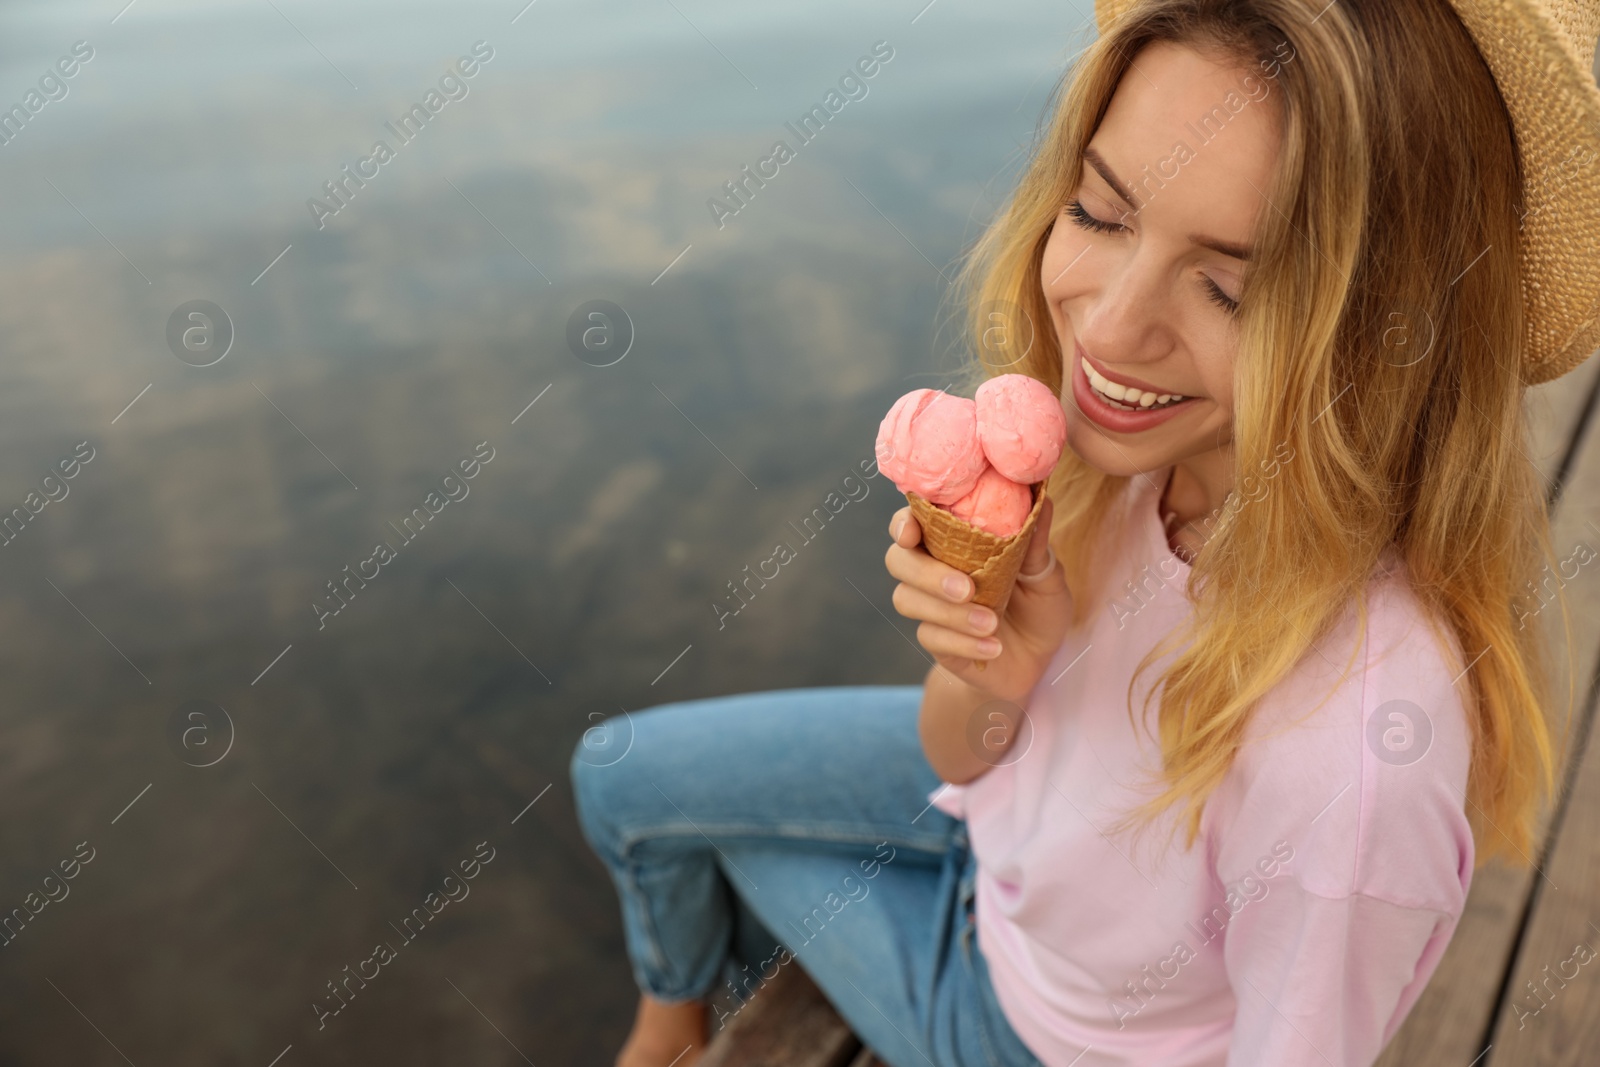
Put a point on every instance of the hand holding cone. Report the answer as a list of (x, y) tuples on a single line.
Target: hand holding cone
[(985, 462)]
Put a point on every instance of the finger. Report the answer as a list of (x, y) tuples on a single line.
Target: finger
[(1038, 554), (915, 567), (973, 619), (905, 529), (954, 666), (945, 642)]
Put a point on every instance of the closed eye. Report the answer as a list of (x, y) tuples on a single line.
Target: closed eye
[(1083, 219), (1078, 215), (1219, 298)]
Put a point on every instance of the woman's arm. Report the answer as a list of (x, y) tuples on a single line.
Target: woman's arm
[(970, 717), (965, 730)]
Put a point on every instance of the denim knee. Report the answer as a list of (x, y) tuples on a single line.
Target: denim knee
[(593, 777)]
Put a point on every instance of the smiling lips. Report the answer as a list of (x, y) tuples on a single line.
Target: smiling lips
[(1125, 397), (1096, 397)]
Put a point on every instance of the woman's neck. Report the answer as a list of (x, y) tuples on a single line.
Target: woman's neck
[(1191, 502)]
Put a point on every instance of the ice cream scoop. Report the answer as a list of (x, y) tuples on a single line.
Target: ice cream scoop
[(996, 504), (1021, 427), (928, 444)]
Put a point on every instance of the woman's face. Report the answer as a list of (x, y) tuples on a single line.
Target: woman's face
[(1142, 268)]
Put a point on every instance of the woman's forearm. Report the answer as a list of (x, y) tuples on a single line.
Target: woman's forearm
[(959, 746)]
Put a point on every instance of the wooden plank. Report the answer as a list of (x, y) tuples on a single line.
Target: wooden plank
[(1554, 412), (1550, 1014), (1559, 1023), (786, 1023), (1450, 1019)]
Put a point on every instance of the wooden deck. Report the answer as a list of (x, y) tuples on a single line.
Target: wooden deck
[(1520, 929), (788, 1023), (1524, 926)]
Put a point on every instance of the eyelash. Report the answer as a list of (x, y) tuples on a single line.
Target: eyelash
[(1088, 221), (1221, 299), (1083, 219)]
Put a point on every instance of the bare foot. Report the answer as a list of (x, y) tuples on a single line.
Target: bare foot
[(665, 1035)]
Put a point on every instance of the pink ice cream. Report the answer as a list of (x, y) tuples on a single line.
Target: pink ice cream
[(1021, 427), (928, 445), (996, 504)]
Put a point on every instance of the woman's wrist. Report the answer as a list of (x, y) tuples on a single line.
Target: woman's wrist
[(949, 707)]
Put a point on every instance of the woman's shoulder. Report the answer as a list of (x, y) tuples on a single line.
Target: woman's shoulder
[(1358, 760)]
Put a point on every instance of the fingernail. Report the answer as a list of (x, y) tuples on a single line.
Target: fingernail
[(981, 618), (989, 646), (956, 587), (899, 524)]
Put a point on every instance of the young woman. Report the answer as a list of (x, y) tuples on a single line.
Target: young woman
[(1260, 701)]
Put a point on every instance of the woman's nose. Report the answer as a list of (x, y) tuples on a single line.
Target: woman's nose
[(1127, 304)]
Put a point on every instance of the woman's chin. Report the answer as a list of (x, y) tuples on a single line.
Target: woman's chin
[(1108, 457)]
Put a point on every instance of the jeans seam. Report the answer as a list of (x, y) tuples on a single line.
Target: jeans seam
[(638, 899), (631, 896), (988, 1005), (984, 1037), (791, 831), (626, 844)]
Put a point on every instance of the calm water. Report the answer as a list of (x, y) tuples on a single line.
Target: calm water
[(173, 608)]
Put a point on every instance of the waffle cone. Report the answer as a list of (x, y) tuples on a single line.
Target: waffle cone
[(991, 562)]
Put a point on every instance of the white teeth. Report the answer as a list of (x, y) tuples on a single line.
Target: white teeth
[(1130, 399)]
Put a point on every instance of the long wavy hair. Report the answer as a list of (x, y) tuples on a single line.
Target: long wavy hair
[(1394, 208)]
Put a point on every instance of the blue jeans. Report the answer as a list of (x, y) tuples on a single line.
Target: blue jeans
[(738, 827)]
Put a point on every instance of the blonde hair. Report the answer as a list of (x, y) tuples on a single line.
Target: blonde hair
[(1397, 170)]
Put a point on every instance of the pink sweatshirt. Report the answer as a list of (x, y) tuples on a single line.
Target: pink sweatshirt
[(1332, 864)]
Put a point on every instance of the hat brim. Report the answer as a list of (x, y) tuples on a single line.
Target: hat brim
[(1550, 92)]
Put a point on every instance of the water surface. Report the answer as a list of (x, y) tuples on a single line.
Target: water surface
[(365, 754)]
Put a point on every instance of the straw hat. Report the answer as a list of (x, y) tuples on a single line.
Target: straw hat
[(1542, 55)]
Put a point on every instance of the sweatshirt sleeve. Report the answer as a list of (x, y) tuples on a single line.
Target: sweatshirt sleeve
[(1326, 981), (950, 799)]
